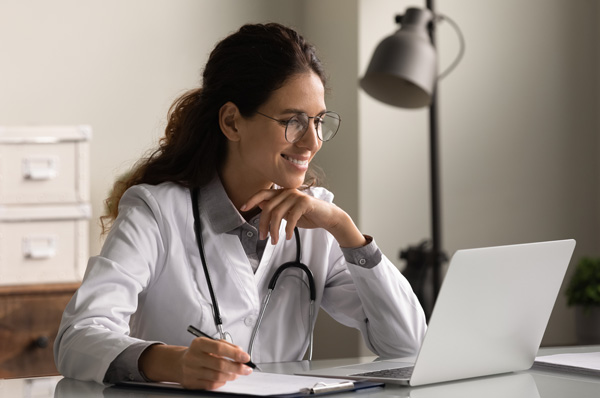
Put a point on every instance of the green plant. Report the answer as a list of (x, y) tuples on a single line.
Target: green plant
[(584, 286)]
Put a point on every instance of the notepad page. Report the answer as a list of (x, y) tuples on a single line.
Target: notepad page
[(587, 360)]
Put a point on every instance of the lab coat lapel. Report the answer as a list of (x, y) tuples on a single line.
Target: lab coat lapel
[(235, 267), (271, 252)]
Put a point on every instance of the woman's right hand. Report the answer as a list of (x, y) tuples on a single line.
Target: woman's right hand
[(206, 364), (209, 364)]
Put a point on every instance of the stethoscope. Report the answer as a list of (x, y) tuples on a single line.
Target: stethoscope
[(292, 264)]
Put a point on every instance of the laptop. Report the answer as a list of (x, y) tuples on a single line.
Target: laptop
[(489, 318)]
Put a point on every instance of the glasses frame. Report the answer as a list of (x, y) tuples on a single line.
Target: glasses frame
[(285, 123)]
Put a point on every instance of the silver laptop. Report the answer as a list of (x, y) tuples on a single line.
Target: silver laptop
[(489, 318)]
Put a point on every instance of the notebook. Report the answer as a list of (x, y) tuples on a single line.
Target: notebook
[(489, 318)]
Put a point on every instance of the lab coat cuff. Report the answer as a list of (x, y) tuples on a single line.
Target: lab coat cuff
[(367, 256), (125, 366)]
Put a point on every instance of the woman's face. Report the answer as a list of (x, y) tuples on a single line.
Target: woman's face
[(263, 154)]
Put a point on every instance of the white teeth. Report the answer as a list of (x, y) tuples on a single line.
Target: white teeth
[(295, 161)]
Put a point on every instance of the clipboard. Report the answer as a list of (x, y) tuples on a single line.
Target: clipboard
[(333, 388), (256, 386)]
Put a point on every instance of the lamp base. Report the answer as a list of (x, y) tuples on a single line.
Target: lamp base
[(420, 261)]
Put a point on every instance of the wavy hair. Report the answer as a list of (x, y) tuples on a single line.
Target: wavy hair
[(244, 68)]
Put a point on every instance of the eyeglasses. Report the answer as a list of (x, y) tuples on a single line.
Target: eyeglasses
[(326, 125)]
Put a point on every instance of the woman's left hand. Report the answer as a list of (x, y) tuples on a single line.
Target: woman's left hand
[(305, 211)]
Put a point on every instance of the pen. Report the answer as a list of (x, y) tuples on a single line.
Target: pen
[(199, 333)]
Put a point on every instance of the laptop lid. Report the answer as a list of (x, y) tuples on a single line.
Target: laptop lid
[(490, 315), (492, 311)]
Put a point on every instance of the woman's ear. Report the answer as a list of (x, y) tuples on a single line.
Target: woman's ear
[(229, 115)]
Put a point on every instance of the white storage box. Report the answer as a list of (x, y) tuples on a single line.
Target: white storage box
[(44, 165), (43, 244)]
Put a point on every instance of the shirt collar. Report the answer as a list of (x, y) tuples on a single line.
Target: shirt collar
[(222, 214)]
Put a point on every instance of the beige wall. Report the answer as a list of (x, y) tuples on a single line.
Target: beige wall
[(518, 130), (332, 25), (518, 117), (116, 65)]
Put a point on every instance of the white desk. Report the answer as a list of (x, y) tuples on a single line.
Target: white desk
[(529, 384)]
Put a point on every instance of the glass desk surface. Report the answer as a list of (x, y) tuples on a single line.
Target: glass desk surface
[(533, 383)]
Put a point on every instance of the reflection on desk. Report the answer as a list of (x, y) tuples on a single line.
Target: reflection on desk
[(530, 384)]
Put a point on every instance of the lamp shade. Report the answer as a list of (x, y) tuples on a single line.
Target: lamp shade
[(403, 69)]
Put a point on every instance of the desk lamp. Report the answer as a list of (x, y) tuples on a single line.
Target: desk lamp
[(403, 73)]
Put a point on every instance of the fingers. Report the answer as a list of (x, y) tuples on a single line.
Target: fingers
[(262, 199), (221, 348), (275, 205), (273, 211), (296, 207), (209, 364), (258, 198)]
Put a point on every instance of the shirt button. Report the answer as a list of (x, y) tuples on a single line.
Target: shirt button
[(362, 261), (250, 320), (250, 234)]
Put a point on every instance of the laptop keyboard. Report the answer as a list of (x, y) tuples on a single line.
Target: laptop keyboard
[(395, 373)]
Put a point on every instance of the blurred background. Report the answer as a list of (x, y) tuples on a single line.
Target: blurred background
[(519, 117)]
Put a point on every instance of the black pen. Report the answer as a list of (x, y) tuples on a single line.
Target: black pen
[(199, 333)]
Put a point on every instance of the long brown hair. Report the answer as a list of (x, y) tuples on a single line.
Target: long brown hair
[(244, 68)]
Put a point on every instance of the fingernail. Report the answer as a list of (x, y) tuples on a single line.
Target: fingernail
[(243, 358), (243, 207), (246, 370)]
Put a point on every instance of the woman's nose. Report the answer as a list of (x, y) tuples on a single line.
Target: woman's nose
[(310, 139)]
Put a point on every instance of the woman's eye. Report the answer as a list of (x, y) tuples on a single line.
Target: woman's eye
[(295, 123)]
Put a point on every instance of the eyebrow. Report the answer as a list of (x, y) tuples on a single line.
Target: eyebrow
[(297, 111)]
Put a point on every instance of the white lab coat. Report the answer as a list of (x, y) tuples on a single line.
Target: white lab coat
[(148, 284)]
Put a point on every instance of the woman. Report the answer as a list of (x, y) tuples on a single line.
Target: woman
[(244, 143)]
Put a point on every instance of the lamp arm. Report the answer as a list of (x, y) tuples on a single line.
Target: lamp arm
[(461, 39)]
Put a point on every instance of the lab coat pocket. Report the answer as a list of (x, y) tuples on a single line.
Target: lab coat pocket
[(167, 320), (203, 319)]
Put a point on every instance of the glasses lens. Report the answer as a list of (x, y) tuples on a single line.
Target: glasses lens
[(296, 127), (330, 123), (327, 125)]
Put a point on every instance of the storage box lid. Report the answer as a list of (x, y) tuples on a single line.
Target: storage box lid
[(44, 134)]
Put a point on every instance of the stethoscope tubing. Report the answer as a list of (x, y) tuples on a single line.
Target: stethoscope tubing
[(272, 283), (198, 232)]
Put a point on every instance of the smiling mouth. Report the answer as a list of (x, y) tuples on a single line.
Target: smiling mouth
[(295, 161)]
